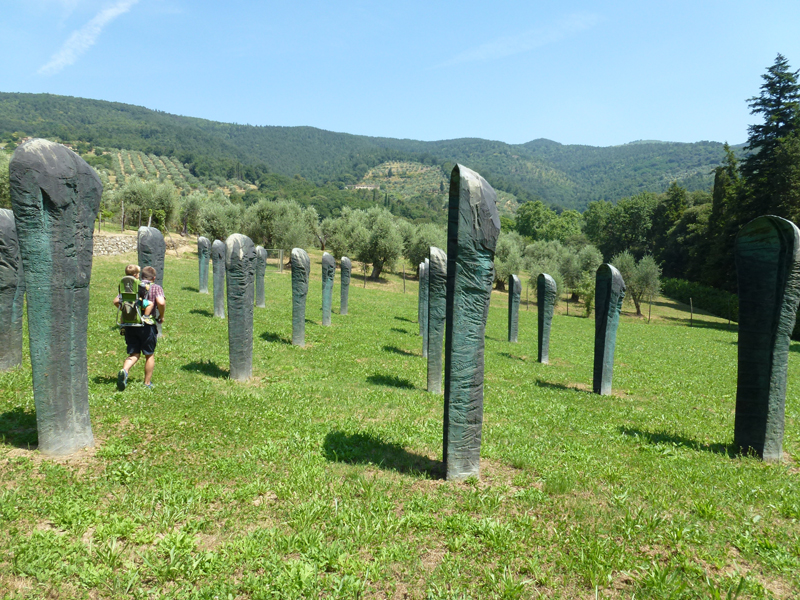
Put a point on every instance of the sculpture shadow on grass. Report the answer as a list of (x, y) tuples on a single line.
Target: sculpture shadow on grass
[(104, 379), (18, 428), (390, 380), (701, 324), (794, 347), (201, 311), (269, 336), (404, 320), (398, 330), (662, 437), (561, 386), (209, 368), (512, 356), (189, 288), (400, 351), (575, 315), (367, 448)]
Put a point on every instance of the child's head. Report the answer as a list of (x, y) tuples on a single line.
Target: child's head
[(149, 273), (132, 271)]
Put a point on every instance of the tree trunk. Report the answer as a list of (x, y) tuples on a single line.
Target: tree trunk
[(501, 285), (185, 231), (377, 267), (637, 305), (122, 220)]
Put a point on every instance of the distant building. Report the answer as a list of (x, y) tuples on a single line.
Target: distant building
[(363, 186)]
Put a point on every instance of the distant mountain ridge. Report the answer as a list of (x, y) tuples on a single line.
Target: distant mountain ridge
[(569, 176)]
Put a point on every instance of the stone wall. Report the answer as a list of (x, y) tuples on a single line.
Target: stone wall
[(108, 245), (111, 245)]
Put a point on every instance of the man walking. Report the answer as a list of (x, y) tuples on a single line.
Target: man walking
[(142, 340)]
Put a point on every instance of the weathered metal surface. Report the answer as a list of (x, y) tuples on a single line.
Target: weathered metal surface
[(473, 229), (152, 248), (55, 196), (420, 299), (240, 269), (514, 292), (301, 269), (437, 308), (344, 282), (328, 270), (203, 256), (218, 264), (261, 269), (12, 293), (424, 291), (768, 270), (545, 303), (608, 297)]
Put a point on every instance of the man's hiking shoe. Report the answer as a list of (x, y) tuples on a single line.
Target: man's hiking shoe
[(122, 380)]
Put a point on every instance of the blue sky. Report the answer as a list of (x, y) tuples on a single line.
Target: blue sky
[(597, 73)]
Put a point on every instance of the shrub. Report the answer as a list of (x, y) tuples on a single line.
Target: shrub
[(718, 302)]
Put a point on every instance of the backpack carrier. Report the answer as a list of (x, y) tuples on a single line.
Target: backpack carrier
[(132, 292)]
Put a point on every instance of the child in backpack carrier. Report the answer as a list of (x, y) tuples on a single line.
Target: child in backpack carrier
[(135, 309)]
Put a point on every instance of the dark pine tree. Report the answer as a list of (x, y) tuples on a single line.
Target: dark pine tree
[(772, 145)]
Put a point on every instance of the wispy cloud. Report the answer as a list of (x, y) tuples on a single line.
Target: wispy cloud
[(85, 37), (524, 42)]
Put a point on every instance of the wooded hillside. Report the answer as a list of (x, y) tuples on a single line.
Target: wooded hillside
[(561, 175)]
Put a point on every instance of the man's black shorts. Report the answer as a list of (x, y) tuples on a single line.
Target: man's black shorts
[(141, 340)]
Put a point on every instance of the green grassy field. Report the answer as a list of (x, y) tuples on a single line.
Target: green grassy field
[(321, 476)]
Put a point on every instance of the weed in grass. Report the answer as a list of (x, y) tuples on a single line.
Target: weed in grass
[(664, 582), (494, 534), (110, 552), (74, 514), (443, 592), (509, 586), (558, 484), (706, 509), (123, 472)]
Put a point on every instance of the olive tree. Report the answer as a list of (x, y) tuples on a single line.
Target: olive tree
[(424, 237), (384, 244), (281, 224), (190, 212), (507, 258), (345, 234), (153, 201), (642, 279), (545, 257), (217, 221)]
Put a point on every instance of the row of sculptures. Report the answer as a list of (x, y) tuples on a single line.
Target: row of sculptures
[(46, 256), (238, 270), (609, 294), (217, 254)]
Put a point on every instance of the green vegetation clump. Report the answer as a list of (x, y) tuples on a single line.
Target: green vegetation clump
[(718, 302)]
